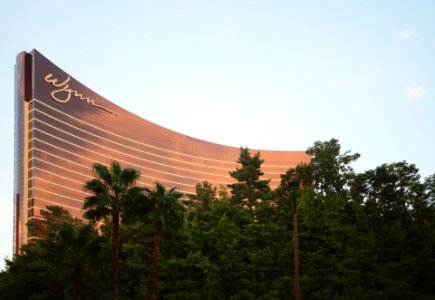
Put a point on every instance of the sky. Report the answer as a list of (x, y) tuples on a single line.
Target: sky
[(276, 75)]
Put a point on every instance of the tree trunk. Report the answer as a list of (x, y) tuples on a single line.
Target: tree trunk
[(155, 261), (78, 291), (115, 257)]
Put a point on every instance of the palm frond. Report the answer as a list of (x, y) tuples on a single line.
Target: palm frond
[(102, 172)]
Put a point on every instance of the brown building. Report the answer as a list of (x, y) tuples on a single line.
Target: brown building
[(62, 128)]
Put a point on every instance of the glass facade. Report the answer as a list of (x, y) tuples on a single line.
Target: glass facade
[(62, 128)]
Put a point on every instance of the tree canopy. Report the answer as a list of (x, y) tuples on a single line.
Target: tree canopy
[(368, 235)]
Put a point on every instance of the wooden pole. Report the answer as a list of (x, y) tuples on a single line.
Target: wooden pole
[(296, 249)]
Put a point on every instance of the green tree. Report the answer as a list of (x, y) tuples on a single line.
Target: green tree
[(59, 264), (74, 246), (330, 170), (28, 276), (328, 233), (113, 190), (205, 194), (398, 215), (249, 187), (167, 211), (52, 216), (136, 238)]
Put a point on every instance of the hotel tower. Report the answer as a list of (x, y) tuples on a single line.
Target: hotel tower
[(62, 128)]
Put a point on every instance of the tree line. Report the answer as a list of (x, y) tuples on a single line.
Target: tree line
[(367, 235)]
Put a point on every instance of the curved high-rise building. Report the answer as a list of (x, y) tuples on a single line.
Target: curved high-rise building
[(62, 128)]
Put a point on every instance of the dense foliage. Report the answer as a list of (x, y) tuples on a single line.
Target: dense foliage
[(361, 236)]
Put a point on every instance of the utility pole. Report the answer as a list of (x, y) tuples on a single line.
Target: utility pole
[(294, 185)]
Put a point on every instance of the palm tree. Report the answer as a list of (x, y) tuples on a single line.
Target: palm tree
[(73, 245), (112, 190), (167, 211), (68, 247)]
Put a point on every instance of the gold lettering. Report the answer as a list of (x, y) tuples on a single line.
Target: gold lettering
[(65, 89), (64, 93), (54, 81)]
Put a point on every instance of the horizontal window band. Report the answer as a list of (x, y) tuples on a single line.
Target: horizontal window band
[(138, 182), (122, 145), (40, 199), (80, 201), (86, 194), (128, 139), (151, 146), (142, 167), (38, 208), (128, 155), (129, 163)]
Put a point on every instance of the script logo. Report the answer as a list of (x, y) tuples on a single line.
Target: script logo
[(64, 93)]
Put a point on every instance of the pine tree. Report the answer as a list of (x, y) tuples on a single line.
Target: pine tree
[(249, 188)]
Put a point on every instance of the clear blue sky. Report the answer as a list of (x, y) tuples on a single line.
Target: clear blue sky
[(262, 74)]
